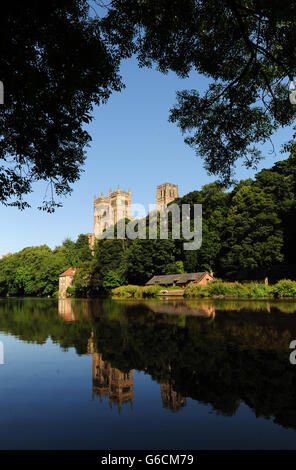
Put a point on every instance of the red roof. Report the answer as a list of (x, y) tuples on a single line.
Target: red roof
[(69, 272)]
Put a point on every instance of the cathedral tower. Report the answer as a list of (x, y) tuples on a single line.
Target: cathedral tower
[(110, 209), (165, 194)]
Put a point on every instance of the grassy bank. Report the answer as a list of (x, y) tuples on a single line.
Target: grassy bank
[(136, 291), (216, 289), (282, 289)]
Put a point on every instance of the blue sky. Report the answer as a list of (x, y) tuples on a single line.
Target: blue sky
[(133, 145)]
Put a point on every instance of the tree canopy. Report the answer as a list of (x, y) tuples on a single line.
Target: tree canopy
[(59, 58), (55, 65), (245, 47)]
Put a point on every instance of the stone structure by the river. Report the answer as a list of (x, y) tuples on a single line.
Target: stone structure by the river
[(66, 280)]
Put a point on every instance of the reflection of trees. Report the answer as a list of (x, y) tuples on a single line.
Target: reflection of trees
[(237, 356), (35, 321)]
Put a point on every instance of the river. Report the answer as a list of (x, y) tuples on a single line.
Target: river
[(147, 374)]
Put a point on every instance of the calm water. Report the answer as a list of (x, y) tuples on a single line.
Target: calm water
[(147, 374)]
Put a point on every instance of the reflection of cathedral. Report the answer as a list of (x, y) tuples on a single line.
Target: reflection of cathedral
[(109, 381), (170, 398)]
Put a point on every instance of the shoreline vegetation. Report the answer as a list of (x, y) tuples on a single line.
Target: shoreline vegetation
[(216, 289)]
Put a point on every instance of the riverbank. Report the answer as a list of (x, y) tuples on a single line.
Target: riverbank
[(215, 289), (219, 289)]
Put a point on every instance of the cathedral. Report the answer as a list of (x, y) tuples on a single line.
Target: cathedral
[(108, 210)]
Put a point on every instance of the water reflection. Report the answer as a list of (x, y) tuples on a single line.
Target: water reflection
[(181, 307), (65, 309), (108, 381), (220, 353), (171, 399), (118, 386)]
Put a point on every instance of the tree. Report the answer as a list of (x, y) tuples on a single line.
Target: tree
[(79, 252), (111, 281), (109, 255), (252, 235), (247, 49), (280, 182), (145, 258), (215, 203), (55, 65)]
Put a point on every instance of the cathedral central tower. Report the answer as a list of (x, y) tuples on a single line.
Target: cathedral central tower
[(165, 194)]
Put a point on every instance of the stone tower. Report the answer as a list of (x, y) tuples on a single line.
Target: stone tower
[(110, 209), (165, 194)]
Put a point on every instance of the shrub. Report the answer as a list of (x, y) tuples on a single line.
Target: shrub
[(259, 290), (71, 292), (284, 288), (195, 290), (127, 291), (151, 291), (219, 288)]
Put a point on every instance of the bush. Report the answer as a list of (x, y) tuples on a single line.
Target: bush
[(151, 291), (128, 291), (71, 292), (284, 288), (259, 290), (195, 290), (219, 288)]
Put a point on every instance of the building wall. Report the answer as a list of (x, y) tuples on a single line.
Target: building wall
[(207, 278), (165, 194), (64, 283), (203, 282)]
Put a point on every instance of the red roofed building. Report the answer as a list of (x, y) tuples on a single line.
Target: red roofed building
[(66, 280)]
